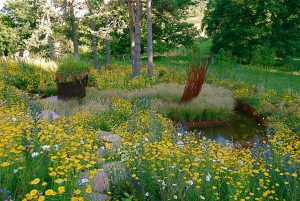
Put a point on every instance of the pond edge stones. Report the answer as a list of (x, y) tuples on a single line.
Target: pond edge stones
[(116, 169)]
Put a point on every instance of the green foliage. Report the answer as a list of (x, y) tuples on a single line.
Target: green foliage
[(71, 69), (264, 55), (28, 75), (241, 27)]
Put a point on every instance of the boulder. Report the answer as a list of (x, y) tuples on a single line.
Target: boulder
[(49, 114), (100, 197), (101, 182)]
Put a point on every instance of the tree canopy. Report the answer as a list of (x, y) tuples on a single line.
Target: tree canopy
[(250, 28)]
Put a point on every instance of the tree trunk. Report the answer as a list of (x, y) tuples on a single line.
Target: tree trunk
[(74, 31), (50, 38), (131, 27), (150, 37), (137, 47), (107, 39), (94, 37), (108, 53), (51, 48)]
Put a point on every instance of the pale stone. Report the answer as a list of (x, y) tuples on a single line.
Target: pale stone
[(49, 114), (111, 138), (101, 182), (100, 197), (51, 99)]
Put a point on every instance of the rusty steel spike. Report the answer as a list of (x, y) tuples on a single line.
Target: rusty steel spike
[(196, 77)]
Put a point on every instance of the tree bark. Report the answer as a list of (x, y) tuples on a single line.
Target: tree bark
[(51, 48), (108, 53), (74, 30), (50, 39), (131, 28), (150, 37), (94, 37), (108, 50), (137, 47)]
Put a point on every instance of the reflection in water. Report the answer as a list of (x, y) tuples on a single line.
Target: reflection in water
[(240, 129)]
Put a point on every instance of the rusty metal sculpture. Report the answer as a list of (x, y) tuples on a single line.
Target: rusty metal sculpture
[(196, 76)]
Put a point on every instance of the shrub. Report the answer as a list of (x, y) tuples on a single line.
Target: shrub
[(264, 55)]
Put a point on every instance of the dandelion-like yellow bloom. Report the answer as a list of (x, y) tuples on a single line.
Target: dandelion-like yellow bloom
[(35, 181)]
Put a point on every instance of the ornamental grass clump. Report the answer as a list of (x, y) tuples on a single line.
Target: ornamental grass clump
[(214, 103), (71, 69)]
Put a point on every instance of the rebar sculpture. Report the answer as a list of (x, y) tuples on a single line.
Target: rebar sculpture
[(196, 76)]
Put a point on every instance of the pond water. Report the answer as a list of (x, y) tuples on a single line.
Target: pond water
[(240, 128)]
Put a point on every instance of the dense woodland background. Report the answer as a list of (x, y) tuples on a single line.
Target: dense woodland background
[(249, 31)]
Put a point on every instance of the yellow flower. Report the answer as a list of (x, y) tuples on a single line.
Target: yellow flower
[(28, 196), (77, 191), (61, 189), (50, 192), (294, 174), (52, 174), (5, 164), (41, 198), (33, 192), (44, 183), (35, 181), (88, 189), (74, 199)]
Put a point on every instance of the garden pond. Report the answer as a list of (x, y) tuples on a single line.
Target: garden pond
[(240, 128)]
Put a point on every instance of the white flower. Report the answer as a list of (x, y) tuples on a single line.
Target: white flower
[(16, 171), (174, 184), (45, 147), (179, 134), (217, 160), (147, 194), (35, 154), (224, 168), (180, 144), (197, 159), (164, 185), (175, 197), (208, 177), (14, 119), (84, 181), (172, 166), (190, 182), (55, 147), (146, 139), (59, 181), (81, 142), (202, 197)]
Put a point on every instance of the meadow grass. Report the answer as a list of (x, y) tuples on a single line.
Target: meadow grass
[(270, 77)]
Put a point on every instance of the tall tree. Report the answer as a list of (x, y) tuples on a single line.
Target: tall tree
[(43, 34), (137, 46), (131, 28), (150, 39), (254, 28), (70, 12), (94, 36)]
